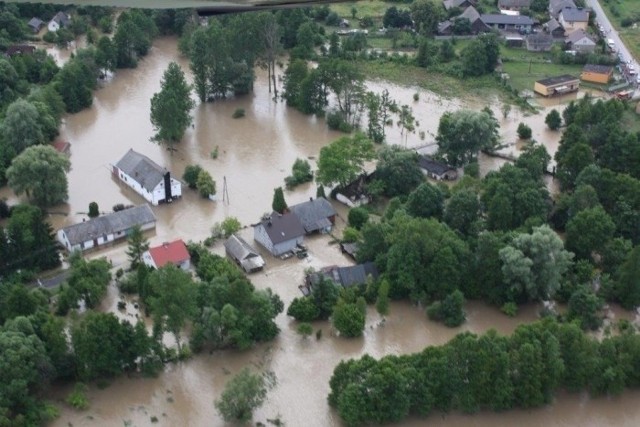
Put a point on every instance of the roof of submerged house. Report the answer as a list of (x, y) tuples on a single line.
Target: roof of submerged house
[(282, 227), (314, 214), (170, 252), (142, 169)]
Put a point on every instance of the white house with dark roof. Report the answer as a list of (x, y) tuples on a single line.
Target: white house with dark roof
[(279, 233), (573, 19), (59, 20), (316, 215), (243, 254), (436, 170), (106, 229), (147, 178)]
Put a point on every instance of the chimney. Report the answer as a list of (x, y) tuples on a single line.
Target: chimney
[(311, 199)]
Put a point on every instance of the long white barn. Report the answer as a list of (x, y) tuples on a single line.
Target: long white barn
[(147, 178)]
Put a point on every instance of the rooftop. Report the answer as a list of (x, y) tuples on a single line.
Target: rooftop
[(514, 3), (600, 69), (571, 14), (558, 80), (282, 227), (142, 169), (109, 224), (448, 4), (498, 19), (433, 166), (578, 35), (314, 214), (173, 252), (239, 248)]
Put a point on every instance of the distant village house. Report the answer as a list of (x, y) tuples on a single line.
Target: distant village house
[(175, 253), (315, 215), (147, 178), (519, 23), (279, 233), (436, 170), (558, 85), (539, 42), (106, 229), (580, 42), (243, 254), (556, 6), (553, 28), (513, 5), (460, 4), (19, 49), (342, 276), (59, 20), (35, 24), (573, 19)]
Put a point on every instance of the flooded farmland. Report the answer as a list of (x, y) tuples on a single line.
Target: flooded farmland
[(255, 153)]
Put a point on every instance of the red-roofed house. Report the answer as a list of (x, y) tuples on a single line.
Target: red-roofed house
[(174, 252)]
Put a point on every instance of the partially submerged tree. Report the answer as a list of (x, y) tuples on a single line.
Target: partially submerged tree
[(463, 133), (171, 107), (279, 204), (244, 393), (138, 245), (343, 160)]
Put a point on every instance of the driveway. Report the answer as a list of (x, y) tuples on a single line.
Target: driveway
[(611, 33)]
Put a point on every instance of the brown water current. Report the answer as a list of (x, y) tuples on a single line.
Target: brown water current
[(255, 153)]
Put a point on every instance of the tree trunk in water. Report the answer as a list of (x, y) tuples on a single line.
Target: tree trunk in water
[(269, 75), (273, 76)]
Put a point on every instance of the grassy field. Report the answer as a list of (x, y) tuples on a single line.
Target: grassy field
[(616, 11), (524, 67), (372, 8)]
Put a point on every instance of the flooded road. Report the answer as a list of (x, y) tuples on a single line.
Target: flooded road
[(255, 153)]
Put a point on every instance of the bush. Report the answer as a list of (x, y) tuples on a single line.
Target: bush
[(553, 120), (358, 217), (524, 131), (238, 113), (336, 121), (510, 309), (349, 318), (350, 235), (449, 310), (49, 37), (305, 329), (472, 170), (229, 226), (77, 398), (190, 175), (301, 173), (94, 210), (205, 184), (303, 309)]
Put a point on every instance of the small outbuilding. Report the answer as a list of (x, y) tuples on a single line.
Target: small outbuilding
[(558, 85), (147, 178), (601, 74), (20, 49), (279, 233), (175, 253), (315, 215), (436, 170), (35, 24), (460, 4), (539, 42), (243, 254), (513, 5), (106, 229), (554, 28), (62, 147)]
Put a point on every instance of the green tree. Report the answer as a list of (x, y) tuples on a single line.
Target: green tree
[(190, 176), (303, 309), (94, 210), (343, 160), (426, 15), (138, 245), (571, 163), (449, 311), (40, 172), (171, 107), (398, 170), (22, 127), (75, 83), (588, 231), (348, 318), (279, 204), (300, 173), (462, 211), (553, 120), (244, 393), (533, 264), (106, 54), (88, 282), (358, 217), (382, 301), (524, 131), (305, 329), (205, 184), (230, 225), (461, 134), (425, 201), (173, 300), (585, 306), (628, 280)]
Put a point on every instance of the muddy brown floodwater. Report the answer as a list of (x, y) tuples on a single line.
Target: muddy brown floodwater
[(255, 153)]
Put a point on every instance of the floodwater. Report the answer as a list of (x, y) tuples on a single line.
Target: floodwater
[(255, 153)]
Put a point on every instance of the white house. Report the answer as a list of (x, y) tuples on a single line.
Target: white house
[(105, 229), (59, 20), (175, 253), (147, 178), (278, 233)]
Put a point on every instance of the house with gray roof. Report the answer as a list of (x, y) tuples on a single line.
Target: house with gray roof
[(35, 24), (470, 14), (573, 19), (513, 5), (59, 20), (554, 28), (243, 254), (279, 233), (520, 23), (461, 4), (342, 276), (106, 229), (556, 6), (435, 169), (316, 215), (147, 178), (539, 42), (580, 41)]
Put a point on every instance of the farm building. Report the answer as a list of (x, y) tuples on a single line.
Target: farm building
[(597, 73), (539, 42), (175, 253), (279, 233), (556, 85), (436, 170), (243, 254), (315, 215), (147, 178), (554, 28), (519, 23), (106, 229)]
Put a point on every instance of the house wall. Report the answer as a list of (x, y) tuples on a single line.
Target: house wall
[(286, 246), (572, 26), (260, 235), (351, 203), (584, 46), (550, 90), (595, 77), (134, 185), (53, 26)]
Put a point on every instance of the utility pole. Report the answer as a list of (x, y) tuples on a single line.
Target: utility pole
[(225, 191)]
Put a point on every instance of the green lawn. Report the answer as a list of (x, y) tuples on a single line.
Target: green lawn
[(616, 11), (372, 8), (524, 67)]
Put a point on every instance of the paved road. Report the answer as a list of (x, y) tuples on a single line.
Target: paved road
[(611, 33)]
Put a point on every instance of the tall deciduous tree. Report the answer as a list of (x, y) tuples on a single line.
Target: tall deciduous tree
[(40, 172), (425, 201), (343, 160), (243, 394), (462, 134), (589, 230), (21, 126), (171, 107), (138, 245), (553, 120)]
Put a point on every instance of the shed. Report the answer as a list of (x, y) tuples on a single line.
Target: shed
[(106, 229), (435, 169), (597, 73), (279, 233), (62, 147), (539, 42), (556, 85), (243, 254), (554, 28), (147, 178), (35, 24), (342, 276), (175, 253), (315, 215), (350, 249)]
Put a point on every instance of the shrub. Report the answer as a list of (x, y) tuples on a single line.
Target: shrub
[(553, 120), (350, 235), (301, 173), (305, 329), (229, 226), (238, 113), (510, 309), (524, 131), (449, 310), (472, 169), (191, 174), (94, 210), (358, 217), (336, 121), (205, 184), (78, 398)]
